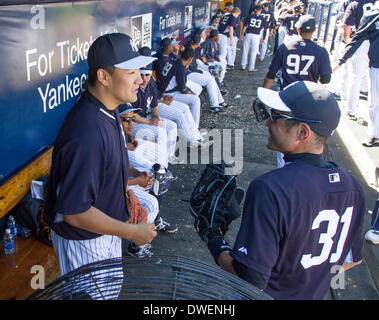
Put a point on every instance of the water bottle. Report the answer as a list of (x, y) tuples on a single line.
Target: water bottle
[(8, 242), (11, 225)]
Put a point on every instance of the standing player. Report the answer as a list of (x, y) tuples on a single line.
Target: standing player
[(85, 205), (226, 32), (254, 27), (300, 59), (300, 222), (368, 31), (358, 64), (271, 23), (233, 38), (289, 21)]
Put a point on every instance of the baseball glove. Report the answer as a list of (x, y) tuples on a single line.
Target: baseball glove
[(215, 201)]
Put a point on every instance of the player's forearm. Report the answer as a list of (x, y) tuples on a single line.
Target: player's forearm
[(95, 220), (347, 30), (141, 120), (267, 83), (225, 261), (347, 265), (155, 112)]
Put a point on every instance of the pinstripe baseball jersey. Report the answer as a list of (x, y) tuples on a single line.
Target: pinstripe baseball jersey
[(368, 30), (355, 11)]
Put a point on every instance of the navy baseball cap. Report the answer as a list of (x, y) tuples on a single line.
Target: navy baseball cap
[(126, 108), (305, 100), (228, 4), (167, 41), (118, 50), (196, 38), (306, 23), (146, 51)]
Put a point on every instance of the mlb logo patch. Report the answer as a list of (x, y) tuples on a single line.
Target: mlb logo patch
[(334, 177)]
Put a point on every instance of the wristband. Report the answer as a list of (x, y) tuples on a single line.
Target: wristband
[(216, 246)]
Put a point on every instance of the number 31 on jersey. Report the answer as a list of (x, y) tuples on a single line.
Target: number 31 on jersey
[(333, 219)]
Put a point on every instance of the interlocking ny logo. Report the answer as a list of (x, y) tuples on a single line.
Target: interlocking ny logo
[(133, 45)]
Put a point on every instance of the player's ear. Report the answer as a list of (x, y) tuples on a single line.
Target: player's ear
[(303, 132), (103, 76)]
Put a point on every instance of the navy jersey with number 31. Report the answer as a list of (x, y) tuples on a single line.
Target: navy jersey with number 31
[(299, 224)]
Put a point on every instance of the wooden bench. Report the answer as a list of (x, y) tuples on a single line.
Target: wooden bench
[(15, 269)]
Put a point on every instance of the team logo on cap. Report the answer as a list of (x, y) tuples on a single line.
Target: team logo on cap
[(334, 178), (133, 45)]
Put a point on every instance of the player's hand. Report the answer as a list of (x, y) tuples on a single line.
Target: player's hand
[(145, 180), (132, 143), (336, 67), (231, 43), (143, 234), (154, 121), (168, 99), (262, 40)]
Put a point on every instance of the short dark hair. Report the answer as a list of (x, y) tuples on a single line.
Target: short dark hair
[(92, 74), (320, 140), (188, 53)]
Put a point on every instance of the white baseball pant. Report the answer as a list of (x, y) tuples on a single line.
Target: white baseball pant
[(147, 201), (222, 46), (250, 47), (192, 100), (357, 67), (281, 35), (73, 254), (264, 46), (205, 79), (231, 51), (180, 113), (373, 103), (221, 63), (146, 155), (165, 137)]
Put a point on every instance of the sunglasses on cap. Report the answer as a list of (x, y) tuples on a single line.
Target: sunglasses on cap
[(128, 119), (262, 112)]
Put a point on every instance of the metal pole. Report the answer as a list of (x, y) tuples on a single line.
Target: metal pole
[(320, 21)]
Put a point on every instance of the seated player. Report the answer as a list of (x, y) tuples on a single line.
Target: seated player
[(171, 76), (143, 155), (204, 78), (149, 124), (211, 54), (175, 110)]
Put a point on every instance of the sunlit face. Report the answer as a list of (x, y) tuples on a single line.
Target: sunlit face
[(281, 138), (128, 125), (145, 80), (123, 85)]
